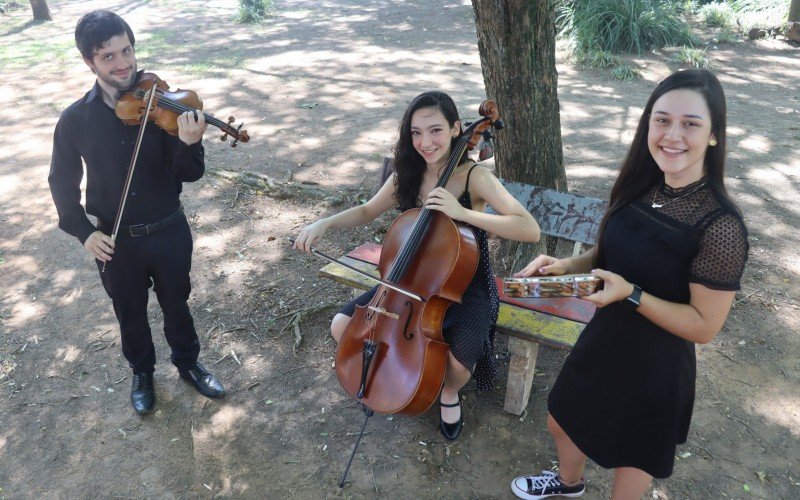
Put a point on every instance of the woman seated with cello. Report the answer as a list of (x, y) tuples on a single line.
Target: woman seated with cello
[(428, 133)]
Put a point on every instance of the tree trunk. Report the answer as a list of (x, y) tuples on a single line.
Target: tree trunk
[(794, 11), (40, 10), (516, 39)]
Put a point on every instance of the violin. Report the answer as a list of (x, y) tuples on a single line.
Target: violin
[(168, 106)]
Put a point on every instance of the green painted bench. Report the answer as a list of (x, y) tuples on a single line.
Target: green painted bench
[(527, 322)]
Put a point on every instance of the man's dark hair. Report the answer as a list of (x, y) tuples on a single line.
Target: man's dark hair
[(98, 27)]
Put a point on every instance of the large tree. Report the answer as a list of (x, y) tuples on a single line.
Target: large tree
[(516, 40), (794, 11), (40, 10)]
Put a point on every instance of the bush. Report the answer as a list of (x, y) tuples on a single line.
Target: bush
[(718, 15), (598, 59), (727, 35), (622, 25), (695, 58), (624, 73), (252, 11), (764, 14)]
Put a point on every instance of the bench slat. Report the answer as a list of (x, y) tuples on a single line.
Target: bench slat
[(512, 320), (564, 307)]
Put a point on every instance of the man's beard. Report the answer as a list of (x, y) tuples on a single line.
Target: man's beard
[(122, 86)]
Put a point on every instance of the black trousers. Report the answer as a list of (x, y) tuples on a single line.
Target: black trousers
[(162, 260)]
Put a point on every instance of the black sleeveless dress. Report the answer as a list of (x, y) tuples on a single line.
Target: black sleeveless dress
[(626, 391), (469, 326)]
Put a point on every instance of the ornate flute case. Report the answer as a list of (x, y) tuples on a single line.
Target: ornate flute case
[(567, 285)]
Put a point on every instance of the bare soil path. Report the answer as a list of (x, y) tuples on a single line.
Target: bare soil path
[(321, 87)]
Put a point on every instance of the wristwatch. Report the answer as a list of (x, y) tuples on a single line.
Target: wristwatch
[(633, 300)]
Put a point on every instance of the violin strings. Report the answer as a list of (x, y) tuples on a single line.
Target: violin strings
[(176, 106)]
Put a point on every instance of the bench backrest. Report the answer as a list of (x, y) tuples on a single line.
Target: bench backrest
[(562, 215)]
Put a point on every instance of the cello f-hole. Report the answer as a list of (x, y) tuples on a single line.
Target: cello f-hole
[(406, 333)]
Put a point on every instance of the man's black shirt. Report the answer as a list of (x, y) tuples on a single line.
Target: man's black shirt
[(90, 130)]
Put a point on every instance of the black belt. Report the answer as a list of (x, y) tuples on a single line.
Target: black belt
[(148, 229)]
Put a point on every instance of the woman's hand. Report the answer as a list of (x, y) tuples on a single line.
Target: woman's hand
[(615, 289), (542, 265), (310, 235), (443, 201)]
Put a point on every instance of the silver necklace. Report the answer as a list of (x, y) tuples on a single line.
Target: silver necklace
[(659, 205)]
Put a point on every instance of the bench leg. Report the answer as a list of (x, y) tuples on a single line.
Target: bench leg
[(521, 366)]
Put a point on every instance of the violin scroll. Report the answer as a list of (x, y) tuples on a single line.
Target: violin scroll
[(237, 133)]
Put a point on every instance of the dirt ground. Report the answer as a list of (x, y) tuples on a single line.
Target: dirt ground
[(320, 88)]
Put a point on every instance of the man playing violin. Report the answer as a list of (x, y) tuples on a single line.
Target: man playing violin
[(153, 246)]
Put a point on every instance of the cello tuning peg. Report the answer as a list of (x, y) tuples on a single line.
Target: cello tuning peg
[(499, 124), (231, 120)]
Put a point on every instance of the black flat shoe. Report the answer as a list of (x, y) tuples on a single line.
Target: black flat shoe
[(206, 384), (143, 397), (451, 431)]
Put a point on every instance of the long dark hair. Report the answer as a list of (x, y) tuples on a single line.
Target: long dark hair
[(639, 171), (408, 164), (98, 27)]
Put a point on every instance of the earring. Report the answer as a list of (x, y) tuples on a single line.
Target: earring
[(712, 142)]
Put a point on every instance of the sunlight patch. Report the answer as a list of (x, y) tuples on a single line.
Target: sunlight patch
[(757, 143), (779, 409), (223, 423), (68, 354)]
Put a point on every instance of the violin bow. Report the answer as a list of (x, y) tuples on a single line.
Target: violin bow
[(131, 167), (366, 275)]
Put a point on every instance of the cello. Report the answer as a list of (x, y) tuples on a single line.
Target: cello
[(392, 356)]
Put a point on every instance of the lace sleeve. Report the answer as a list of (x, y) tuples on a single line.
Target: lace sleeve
[(720, 260)]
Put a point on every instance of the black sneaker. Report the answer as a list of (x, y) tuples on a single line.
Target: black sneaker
[(547, 485)]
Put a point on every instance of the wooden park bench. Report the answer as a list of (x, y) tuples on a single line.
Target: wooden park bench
[(527, 322)]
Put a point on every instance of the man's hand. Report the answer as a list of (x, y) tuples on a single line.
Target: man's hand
[(100, 246), (191, 126)]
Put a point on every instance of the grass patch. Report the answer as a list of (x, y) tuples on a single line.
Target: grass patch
[(33, 53), (598, 59), (728, 36), (253, 11), (718, 15), (764, 14), (624, 73), (630, 26), (696, 58)]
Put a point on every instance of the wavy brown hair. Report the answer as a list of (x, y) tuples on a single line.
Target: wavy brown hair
[(639, 171), (408, 164)]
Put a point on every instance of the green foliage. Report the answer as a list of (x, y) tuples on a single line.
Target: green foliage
[(622, 25), (598, 59), (695, 58), (624, 73), (727, 35), (718, 15), (765, 14), (253, 11)]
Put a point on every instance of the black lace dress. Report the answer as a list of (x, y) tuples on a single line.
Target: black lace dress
[(469, 326), (626, 391)]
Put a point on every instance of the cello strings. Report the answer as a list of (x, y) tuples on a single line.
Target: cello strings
[(412, 242)]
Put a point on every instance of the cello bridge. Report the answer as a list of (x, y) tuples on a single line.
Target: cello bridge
[(383, 311)]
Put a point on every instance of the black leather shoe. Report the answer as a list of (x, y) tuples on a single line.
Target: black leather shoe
[(143, 397), (451, 431), (206, 384)]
